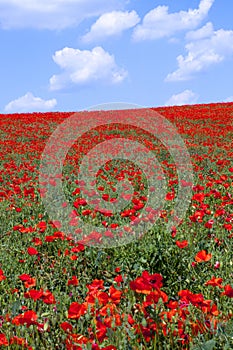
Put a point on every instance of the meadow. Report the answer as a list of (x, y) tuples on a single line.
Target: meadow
[(162, 290)]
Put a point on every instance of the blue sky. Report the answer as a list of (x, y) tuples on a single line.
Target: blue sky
[(68, 55)]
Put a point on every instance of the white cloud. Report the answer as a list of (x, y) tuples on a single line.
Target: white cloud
[(84, 67), (30, 103), (229, 99), (111, 23), (184, 98), (52, 14), (213, 47), (204, 32), (158, 23)]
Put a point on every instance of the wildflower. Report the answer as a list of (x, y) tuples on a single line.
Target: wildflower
[(182, 244), (203, 256)]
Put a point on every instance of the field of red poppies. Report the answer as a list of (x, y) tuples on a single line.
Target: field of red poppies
[(163, 290)]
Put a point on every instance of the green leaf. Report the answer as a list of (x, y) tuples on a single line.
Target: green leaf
[(16, 306), (209, 345), (229, 328)]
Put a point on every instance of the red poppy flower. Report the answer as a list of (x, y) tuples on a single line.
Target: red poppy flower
[(42, 226), (80, 201), (228, 227), (199, 197), (101, 296), (115, 295), (2, 277), (76, 310), (78, 339), (32, 251), (3, 340), (34, 294), (146, 283), (19, 341), (196, 299), (215, 282), (203, 256), (49, 238), (86, 212), (66, 326), (105, 197), (155, 279), (95, 285), (37, 241), (73, 281), (48, 298), (170, 196), (228, 291), (114, 225), (154, 297), (29, 317), (30, 283), (182, 244), (78, 248), (101, 331), (189, 297), (209, 224), (76, 191), (59, 234), (118, 279), (24, 277)]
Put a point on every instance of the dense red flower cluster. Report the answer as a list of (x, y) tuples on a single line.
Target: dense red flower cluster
[(144, 305)]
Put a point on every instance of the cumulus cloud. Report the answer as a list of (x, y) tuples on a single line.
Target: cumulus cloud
[(207, 48), (184, 98), (84, 67), (204, 32), (158, 23), (30, 103), (111, 23), (52, 14)]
